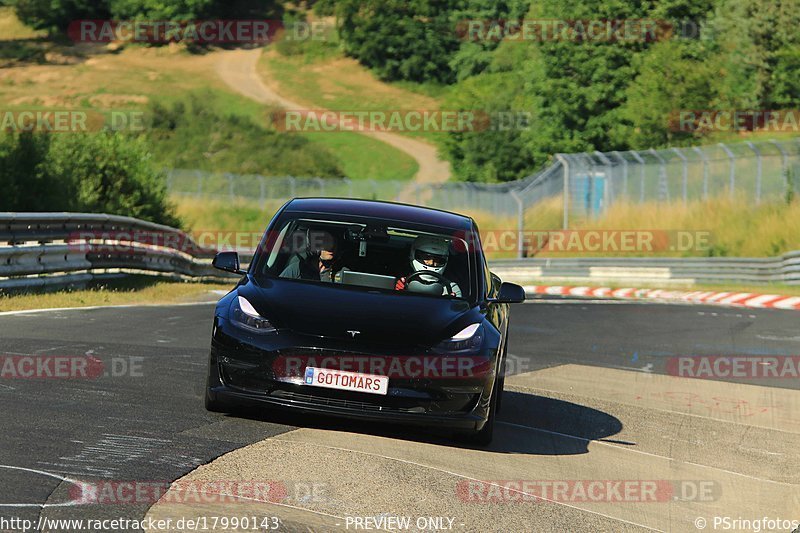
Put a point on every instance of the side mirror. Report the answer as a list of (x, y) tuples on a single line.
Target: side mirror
[(511, 293), (228, 261)]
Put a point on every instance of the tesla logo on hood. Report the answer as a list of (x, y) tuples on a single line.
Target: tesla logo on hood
[(353, 333)]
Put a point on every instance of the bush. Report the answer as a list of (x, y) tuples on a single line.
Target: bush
[(191, 133), (112, 173), (97, 173), (400, 39)]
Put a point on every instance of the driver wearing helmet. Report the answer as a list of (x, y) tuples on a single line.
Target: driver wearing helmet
[(429, 256)]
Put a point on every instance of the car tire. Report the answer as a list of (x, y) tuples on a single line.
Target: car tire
[(212, 402), (483, 437), (501, 380), (213, 405)]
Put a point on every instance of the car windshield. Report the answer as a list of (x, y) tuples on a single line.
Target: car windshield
[(368, 254)]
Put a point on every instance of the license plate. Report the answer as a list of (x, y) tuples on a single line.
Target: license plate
[(343, 380)]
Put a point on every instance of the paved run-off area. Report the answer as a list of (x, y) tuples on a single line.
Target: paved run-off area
[(595, 431)]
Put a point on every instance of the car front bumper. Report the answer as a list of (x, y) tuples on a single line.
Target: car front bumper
[(252, 369)]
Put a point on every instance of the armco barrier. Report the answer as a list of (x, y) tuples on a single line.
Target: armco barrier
[(46, 249), (663, 270), (56, 249)]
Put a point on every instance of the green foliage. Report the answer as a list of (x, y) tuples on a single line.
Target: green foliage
[(24, 181), (100, 173), (400, 39), (758, 49), (672, 77), (57, 14), (496, 153), (315, 40), (192, 133), (182, 10)]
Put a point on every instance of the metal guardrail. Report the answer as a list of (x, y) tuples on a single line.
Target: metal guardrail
[(669, 270), (56, 249)]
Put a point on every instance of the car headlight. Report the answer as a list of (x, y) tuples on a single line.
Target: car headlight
[(244, 315), (467, 340)]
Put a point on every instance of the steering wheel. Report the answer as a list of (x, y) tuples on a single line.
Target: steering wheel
[(419, 273)]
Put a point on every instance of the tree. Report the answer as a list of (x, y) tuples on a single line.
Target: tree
[(56, 15), (758, 49), (400, 39)]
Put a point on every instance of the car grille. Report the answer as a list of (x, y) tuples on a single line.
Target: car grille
[(345, 404)]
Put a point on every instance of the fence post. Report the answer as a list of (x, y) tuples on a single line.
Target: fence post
[(262, 191), (624, 172), (565, 164), (703, 156), (641, 162), (732, 158), (663, 186), (755, 149), (349, 187), (520, 223), (685, 174), (784, 163)]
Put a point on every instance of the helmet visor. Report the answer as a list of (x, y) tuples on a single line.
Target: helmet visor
[(429, 259)]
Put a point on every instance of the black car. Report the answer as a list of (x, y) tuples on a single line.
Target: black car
[(368, 310)]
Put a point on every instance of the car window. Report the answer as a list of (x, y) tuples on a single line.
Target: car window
[(369, 254)]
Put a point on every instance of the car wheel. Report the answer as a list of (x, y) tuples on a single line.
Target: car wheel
[(501, 381), (484, 436), (212, 402)]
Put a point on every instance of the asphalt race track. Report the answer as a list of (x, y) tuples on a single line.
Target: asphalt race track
[(593, 399)]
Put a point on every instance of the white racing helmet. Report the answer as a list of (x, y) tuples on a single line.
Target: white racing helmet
[(429, 254)]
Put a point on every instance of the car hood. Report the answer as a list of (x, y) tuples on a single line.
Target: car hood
[(326, 310)]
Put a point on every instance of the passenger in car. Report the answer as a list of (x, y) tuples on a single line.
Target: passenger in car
[(317, 262)]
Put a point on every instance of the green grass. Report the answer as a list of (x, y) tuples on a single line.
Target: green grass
[(339, 83), (126, 291), (200, 132), (362, 157), (135, 77)]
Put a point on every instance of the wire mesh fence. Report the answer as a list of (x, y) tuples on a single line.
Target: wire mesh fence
[(582, 186), (753, 172)]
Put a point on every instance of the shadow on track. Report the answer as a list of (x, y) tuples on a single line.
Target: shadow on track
[(528, 424)]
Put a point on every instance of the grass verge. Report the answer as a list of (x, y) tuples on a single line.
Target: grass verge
[(342, 84), (125, 291)]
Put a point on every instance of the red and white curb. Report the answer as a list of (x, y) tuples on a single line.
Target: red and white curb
[(737, 299)]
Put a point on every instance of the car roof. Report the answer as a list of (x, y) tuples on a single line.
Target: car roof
[(388, 210)]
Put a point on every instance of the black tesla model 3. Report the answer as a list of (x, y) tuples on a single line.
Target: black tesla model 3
[(363, 309)]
